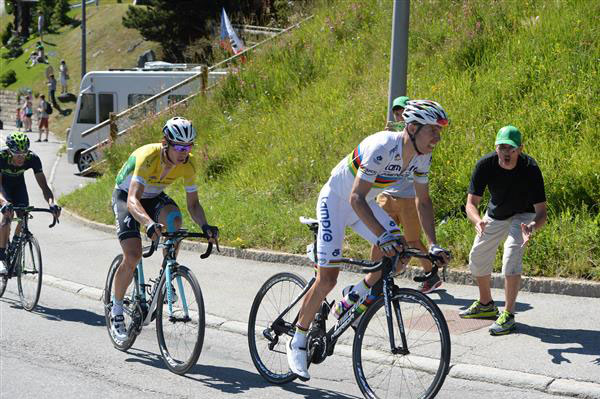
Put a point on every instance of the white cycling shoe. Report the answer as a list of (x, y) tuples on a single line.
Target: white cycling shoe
[(3, 269), (297, 360), (117, 328)]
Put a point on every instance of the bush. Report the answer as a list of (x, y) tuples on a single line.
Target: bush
[(13, 52), (7, 78), (6, 35), (60, 15)]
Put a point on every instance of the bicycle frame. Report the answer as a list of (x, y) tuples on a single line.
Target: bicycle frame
[(169, 264)]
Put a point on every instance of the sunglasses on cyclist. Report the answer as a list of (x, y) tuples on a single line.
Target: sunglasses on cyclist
[(181, 147), (18, 154)]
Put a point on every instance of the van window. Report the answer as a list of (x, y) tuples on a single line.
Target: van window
[(133, 99), (87, 109), (105, 100)]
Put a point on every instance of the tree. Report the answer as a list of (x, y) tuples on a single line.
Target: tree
[(177, 23), (59, 16)]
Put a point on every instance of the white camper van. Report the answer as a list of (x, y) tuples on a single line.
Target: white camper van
[(102, 92)]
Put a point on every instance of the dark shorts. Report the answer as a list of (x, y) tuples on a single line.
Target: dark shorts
[(127, 226), (16, 194)]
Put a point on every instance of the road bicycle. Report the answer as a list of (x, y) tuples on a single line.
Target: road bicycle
[(173, 299), (24, 258), (401, 346)]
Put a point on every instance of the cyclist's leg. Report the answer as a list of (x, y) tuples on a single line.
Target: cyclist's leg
[(362, 230), (15, 191), (411, 225), (166, 212), (131, 244), (387, 203), (332, 213)]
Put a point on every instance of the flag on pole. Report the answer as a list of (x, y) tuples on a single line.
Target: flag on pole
[(229, 39)]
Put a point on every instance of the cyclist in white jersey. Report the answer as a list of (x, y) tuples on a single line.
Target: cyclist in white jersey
[(348, 199)]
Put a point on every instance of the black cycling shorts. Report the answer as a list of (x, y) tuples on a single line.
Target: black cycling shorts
[(127, 226), (16, 194)]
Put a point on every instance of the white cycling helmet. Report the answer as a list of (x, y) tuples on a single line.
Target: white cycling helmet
[(425, 112), (179, 130)]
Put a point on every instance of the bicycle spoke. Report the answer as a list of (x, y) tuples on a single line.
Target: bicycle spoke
[(421, 371)]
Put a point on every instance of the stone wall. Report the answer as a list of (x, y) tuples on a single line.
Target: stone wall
[(8, 107)]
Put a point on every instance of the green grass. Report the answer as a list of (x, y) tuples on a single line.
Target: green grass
[(270, 135), (108, 42)]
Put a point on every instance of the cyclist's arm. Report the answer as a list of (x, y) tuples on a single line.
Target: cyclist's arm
[(134, 206), (41, 180), (425, 211), (359, 204), (3, 200), (472, 208), (194, 208)]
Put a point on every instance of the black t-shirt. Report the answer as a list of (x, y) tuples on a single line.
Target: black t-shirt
[(12, 174), (512, 191)]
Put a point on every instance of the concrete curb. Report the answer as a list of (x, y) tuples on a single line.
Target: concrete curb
[(519, 379), (545, 285)]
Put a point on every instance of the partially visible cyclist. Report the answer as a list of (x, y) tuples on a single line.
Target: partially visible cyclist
[(138, 198), (348, 199), (401, 202), (15, 159)]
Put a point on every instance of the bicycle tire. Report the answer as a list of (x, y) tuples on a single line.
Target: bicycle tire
[(166, 329), (131, 309), (424, 325), (29, 273), (271, 300), (3, 284)]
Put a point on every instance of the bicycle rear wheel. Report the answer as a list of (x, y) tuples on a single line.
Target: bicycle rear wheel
[(420, 371), (29, 273), (180, 335), (267, 347), (131, 308)]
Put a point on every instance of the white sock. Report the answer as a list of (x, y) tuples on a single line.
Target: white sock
[(117, 308), (299, 340)]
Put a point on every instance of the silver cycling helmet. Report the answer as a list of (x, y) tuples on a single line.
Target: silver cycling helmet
[(179, 130), (425, 112)]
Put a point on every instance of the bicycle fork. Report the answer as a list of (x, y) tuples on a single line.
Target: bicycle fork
[(169, 287), (388, 294)]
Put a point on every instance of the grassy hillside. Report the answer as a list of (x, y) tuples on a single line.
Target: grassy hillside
[(270, 135), (109, 45)]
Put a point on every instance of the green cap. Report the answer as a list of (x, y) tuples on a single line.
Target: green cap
[(509, 135), (400, 102)]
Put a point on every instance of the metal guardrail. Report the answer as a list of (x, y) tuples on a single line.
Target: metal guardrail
[(125, 121)]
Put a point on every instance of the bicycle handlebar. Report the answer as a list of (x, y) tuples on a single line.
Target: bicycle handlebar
[(29, 209), (371, 266), (181, 234)]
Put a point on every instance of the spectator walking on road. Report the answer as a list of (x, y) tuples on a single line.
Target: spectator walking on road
[(18, 119), (516, 209), (399, 201), (64, 76), (27, 113), (52, 90), (42, 110)]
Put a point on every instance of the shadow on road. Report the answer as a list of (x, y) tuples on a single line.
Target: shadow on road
[(232, 380), (588, 341), (75, 315), (447, 299)]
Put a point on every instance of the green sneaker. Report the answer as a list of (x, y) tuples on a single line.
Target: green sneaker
[(479, 311), (504, 325)]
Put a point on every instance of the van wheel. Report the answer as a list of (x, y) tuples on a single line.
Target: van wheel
[(84, 161)]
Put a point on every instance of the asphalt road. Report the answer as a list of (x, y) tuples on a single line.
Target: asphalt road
[(62, 349)]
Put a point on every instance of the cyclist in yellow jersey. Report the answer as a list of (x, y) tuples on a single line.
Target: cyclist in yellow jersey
[(139, 198)]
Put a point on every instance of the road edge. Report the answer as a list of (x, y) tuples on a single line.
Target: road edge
[(512, 378)]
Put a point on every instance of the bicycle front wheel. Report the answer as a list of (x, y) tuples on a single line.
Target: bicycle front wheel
[(416, 370), (29, 273), (131, 308), (267, 345), (180, 333)]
